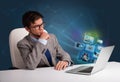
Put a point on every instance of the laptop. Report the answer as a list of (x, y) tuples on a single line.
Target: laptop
[(100, 64)]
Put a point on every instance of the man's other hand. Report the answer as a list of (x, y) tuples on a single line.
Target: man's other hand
[(61, 65)]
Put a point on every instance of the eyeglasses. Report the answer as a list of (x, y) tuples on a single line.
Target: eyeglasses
[(37, 27)]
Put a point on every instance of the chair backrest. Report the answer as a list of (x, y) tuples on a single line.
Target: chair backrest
[(15, 36)]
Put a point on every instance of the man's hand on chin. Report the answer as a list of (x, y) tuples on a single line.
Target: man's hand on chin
[(45, 36)]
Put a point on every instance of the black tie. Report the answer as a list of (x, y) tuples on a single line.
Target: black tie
[(48, 55)]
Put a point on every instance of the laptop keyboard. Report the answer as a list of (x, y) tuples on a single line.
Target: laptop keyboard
[(86, 70), (82, 69)]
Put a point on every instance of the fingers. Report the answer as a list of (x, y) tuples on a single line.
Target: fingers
[(61, 65), (45, 36)]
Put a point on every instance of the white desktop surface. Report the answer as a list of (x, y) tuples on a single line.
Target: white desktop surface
[(111, 73)]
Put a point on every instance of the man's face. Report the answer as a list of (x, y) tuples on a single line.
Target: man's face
[(36, 28)]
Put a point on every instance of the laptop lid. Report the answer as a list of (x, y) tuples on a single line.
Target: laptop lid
[(103, 58), (101, 62)]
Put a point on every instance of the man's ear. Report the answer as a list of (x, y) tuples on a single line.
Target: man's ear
[(28, 29)]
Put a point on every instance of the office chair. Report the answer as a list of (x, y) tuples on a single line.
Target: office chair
[(15, 36)]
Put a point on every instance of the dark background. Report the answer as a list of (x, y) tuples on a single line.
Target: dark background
[(63, 17)]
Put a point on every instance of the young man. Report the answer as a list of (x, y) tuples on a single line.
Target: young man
[(39, 48)]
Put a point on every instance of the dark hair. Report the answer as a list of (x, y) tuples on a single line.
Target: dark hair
[(30, 17)]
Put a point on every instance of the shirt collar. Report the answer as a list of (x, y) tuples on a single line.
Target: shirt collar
[(33, 38)]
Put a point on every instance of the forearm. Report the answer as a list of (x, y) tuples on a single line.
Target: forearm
[(31, 56), (61, 54), (64, 56)]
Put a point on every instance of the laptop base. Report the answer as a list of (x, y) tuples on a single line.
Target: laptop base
[(81, 70)]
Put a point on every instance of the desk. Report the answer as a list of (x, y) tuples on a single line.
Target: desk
[(110, 74)]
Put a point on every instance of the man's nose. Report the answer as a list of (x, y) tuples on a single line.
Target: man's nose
[(41, 28)]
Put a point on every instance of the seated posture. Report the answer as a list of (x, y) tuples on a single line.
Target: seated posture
[(39, 48)]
